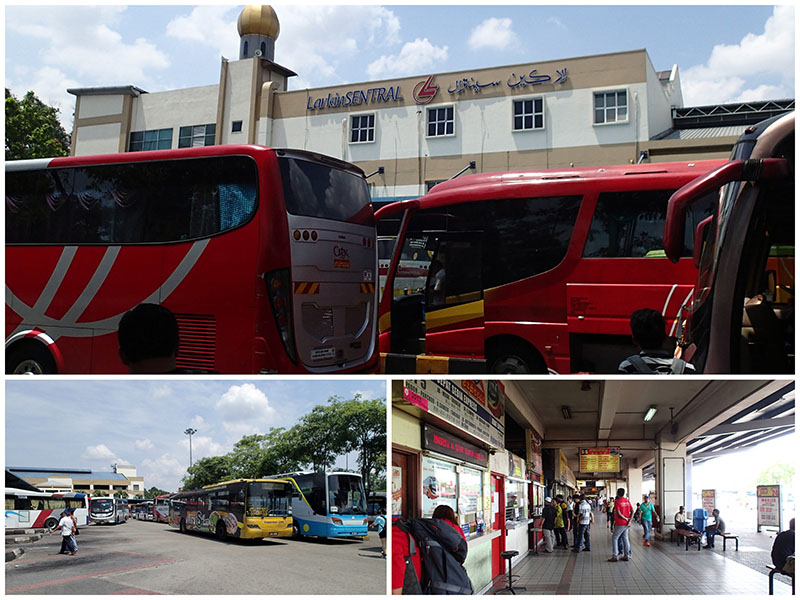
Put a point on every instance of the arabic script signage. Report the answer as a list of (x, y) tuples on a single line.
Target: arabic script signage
[(533, 77)]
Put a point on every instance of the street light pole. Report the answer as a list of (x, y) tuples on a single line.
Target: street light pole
[(190, 432)]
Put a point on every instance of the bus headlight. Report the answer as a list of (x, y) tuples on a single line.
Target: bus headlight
[(280, 297), (336, 521)]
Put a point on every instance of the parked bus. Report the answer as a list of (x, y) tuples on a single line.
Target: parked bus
[(742, 317), (267, 258), (28, 509), (538, 271), (328, 504), (241, 508), (161, 508), (141, 510), (109, 510)]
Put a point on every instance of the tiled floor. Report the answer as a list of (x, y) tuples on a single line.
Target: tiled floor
[(662, 568)]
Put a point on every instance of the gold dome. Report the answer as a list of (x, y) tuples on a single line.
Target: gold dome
[(259, 20)]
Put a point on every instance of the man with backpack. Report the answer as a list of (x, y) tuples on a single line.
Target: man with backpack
[(441, 551), (649, 334)]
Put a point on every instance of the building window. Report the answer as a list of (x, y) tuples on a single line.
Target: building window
[(362, 128), (429, 185), (135, 487), (441, 121), (153, 139), (528, 114), (610, 107), (196, 136), (236, 127)]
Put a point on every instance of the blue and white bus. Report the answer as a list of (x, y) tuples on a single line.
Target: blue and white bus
[(328, 504), (109, 510)]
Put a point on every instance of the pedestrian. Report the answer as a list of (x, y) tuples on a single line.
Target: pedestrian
[(67, 526), (648, 514), (562, 518), (609, 508), (648, 329), (585, 520), (716, 528), (638, 512), (446, 513), (548, 524), (380, 525), (623, 513), (573, 521), (406, 562)]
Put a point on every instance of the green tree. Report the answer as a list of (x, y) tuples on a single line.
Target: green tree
[(246, 457), (779, 473), (282, 448), (33, 129), (206, 471), (153, 492), (322, 435), (364, 425)]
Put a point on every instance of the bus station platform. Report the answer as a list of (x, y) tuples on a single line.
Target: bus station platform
[(664, 567)]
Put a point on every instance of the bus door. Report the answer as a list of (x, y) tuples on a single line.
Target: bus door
[(437, 299)]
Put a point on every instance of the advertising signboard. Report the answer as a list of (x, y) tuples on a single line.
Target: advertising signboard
[(768, 499), (599, 460), (397, 491), (709, 500)]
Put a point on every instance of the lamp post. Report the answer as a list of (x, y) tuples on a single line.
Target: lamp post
[(190, 432)]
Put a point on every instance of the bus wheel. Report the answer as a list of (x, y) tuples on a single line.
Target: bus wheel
[(512, 358), (29, 356), (50, 523), (221, 532), (295, 530)]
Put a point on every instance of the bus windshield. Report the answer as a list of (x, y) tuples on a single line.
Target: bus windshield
[(268, 499), (102, 505), (316, 190), (346, 495)]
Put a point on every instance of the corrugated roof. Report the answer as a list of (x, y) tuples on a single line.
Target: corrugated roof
[(700, 133), (56, 473)]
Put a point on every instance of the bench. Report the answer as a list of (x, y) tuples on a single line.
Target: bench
[(729, 536), (773, 570), (687, 536)]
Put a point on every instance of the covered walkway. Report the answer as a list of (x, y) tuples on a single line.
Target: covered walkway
[(662, 568)]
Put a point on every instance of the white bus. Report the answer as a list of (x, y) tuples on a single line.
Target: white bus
[(108, 510), (26, 509)]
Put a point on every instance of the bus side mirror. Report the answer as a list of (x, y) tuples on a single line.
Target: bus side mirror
[(700, 239)]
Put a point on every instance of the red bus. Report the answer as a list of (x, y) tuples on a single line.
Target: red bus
[(161, 508), (741, 319), (538, 271), (267, 258)]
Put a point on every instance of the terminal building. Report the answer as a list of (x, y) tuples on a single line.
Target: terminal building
[(123, 479), (409, 133), (494, 450)]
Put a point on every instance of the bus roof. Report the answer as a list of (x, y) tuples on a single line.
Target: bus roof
[(461, 188), (229, 481), (30, 494)]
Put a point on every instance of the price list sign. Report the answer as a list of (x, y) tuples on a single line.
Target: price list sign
[(768, 498), (599, 460)]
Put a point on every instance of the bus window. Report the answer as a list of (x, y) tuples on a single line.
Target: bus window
[(452, 276), (346, 494)]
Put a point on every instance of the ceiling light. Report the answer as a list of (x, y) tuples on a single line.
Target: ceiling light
[(651, 412), (566, 412)]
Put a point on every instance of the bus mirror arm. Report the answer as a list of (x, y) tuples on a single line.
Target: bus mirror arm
[(737, 170)]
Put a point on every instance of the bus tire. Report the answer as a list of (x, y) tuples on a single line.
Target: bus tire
[(50, 523), (513, 357), (30, 356), (221, 532), (295, 530)]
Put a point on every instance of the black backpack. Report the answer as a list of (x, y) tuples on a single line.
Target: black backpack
[(442, 551), (677, 367)]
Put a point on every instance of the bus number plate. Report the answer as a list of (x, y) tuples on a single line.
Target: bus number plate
[(323, 353), (273, 533)]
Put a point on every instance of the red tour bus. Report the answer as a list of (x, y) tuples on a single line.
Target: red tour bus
[(538, 271), (267, 258), (741, 319)]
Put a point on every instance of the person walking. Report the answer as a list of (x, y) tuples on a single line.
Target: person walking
[(585, 520), (562, 518), (623, 513), (548, 524), (67, 526), (648, 514), (609, 508), (380, 525)]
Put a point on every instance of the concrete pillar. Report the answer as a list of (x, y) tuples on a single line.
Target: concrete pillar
[(634, 478), (670, 467)]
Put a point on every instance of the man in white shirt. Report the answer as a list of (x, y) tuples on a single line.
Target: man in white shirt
[(585, 519), (682, 520), (66, 524)]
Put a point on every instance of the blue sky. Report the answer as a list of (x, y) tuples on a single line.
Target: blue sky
[(725, 53), (92, 424)]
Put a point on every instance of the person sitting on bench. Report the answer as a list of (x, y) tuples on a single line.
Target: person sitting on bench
[(783, 547), (682, 521), (717, 528)]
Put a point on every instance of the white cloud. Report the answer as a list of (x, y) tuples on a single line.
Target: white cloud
[(164, 472), (202, 446), (727, 74), (213, 26), (414, 58), (493, 33), (101, 452), (145, 444), (197, 422), (245, 409)]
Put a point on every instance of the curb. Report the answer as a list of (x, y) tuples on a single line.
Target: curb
[(400, 364), (22, 539), (15, 553)]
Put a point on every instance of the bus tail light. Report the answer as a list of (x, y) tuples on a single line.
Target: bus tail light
[(336, 521), (280, 292)]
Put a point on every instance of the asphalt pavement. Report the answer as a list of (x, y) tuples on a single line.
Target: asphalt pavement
[(141, 557)]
